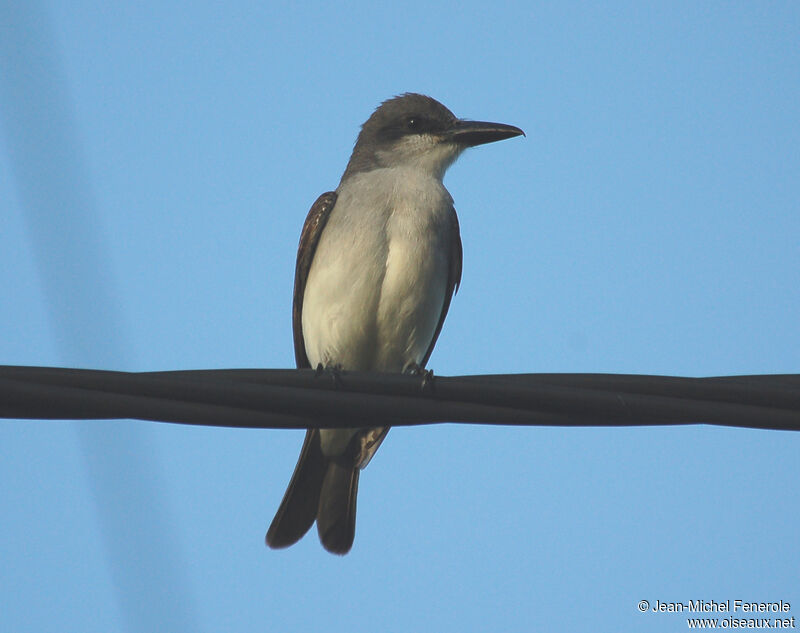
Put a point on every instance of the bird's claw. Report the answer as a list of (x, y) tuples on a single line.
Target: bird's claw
[(335, 372), (427, 384)]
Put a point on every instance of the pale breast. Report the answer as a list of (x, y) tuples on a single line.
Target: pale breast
[(378, 281)]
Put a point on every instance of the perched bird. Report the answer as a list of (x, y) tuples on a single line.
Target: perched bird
[(378, 263)]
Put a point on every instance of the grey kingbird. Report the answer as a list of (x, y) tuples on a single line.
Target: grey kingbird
[(378, 262)]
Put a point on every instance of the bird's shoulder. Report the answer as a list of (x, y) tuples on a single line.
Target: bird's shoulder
[(316, 219)]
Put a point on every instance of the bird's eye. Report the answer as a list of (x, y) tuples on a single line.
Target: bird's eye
[(413, 123)]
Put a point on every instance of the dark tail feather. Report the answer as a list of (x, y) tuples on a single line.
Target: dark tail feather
[(336, 517), (299, 506)]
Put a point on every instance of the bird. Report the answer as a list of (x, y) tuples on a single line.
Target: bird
[(378, 263)]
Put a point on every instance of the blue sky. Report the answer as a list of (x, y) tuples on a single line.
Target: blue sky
[(649, 223)]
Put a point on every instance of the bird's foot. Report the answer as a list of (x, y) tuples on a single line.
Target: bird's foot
[(334, 371), (427, 385)]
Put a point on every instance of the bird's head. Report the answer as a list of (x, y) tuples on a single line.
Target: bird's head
[(416, 131)]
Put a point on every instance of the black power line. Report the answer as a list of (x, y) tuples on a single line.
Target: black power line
[(290, 398)]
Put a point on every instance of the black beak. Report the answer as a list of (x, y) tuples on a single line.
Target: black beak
[(471, 133)]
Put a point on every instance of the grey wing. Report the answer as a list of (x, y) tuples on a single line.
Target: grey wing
[(309, 238), (453, 279)]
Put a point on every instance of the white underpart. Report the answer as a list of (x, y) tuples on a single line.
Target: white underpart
[(376, 287)]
